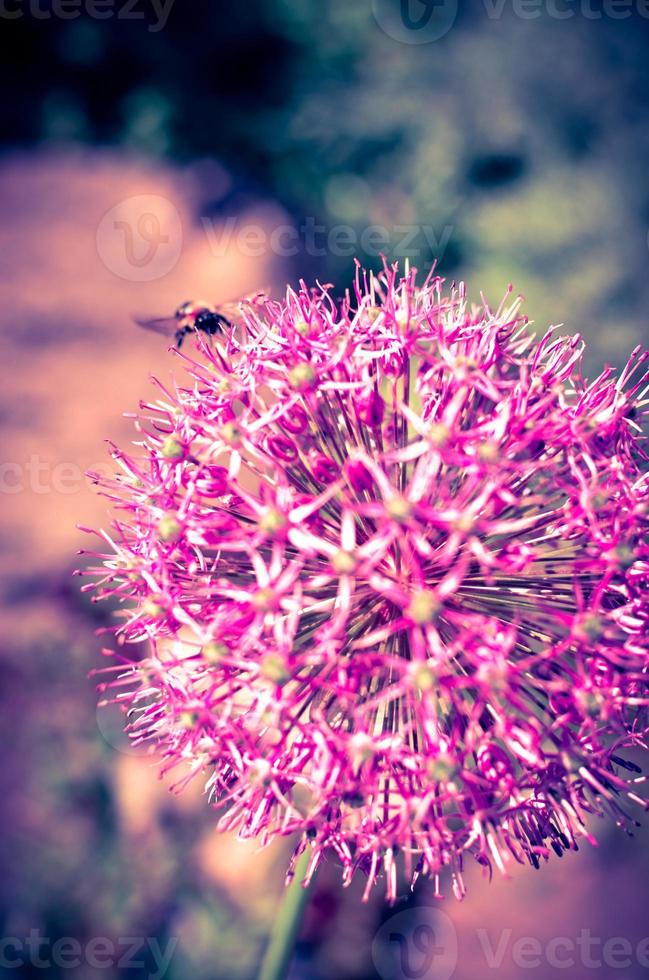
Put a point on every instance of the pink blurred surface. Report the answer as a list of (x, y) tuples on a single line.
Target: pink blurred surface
[(74, 360)]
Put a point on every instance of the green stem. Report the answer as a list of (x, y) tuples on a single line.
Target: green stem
[(279, 952)]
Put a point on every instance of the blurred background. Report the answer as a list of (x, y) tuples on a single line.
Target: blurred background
[(155, 151)]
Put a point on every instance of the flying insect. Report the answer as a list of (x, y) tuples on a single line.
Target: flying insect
[(189, 316)]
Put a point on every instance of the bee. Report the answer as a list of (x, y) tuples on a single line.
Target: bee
[(188, 317)]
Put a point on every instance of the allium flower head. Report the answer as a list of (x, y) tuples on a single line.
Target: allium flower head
[(388, 555)]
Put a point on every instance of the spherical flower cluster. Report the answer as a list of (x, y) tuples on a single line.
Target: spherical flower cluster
[(388, 556)]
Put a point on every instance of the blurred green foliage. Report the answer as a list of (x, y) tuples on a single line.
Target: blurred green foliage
[(523, 139), (516, 146)]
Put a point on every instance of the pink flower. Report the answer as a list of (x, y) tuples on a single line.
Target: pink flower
[(389, 559)]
